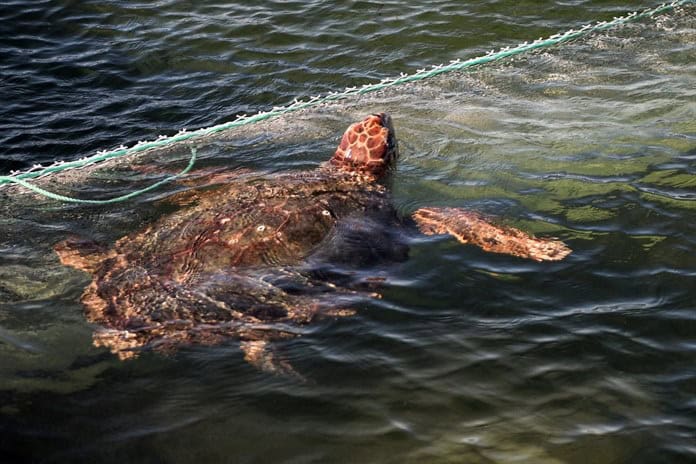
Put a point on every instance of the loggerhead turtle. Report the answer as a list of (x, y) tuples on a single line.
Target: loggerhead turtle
[(244, 258)]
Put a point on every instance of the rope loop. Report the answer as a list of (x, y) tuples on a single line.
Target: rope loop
[(63, 198)]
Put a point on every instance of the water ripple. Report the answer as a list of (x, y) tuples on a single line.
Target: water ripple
[(469, 356)]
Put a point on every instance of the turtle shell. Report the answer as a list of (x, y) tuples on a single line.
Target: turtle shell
[(234, 260)]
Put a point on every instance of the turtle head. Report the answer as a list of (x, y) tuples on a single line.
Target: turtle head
[(368, 146)]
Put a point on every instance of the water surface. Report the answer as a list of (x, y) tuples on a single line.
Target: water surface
[(469, 357)]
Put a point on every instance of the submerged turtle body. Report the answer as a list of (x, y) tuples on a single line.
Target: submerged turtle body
[(241, 259)]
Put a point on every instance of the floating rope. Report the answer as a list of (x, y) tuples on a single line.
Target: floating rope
[(296, 105), (128, 196)]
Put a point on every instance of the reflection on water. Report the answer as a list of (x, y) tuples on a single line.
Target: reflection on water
[(469, 357)]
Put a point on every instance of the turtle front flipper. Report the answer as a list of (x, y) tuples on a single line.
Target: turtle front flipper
[(198, 177), (201, 179), (471, 227)]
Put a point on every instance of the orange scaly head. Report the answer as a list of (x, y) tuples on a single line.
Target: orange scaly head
[(368, 146)]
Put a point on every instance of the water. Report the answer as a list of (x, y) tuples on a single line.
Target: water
[(469, 357)]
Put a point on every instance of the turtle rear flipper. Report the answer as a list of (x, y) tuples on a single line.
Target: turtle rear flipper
[(471, 227), (262, 355), (82, 254)]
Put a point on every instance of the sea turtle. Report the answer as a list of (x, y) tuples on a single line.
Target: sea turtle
[(251, 257)]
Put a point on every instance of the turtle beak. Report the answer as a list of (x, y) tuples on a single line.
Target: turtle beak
[(385, 120), (392, 147)]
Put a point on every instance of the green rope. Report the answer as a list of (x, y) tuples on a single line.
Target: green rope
[(297, 105), (128, 196)]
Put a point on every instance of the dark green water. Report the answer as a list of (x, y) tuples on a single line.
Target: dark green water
[(469, 357)]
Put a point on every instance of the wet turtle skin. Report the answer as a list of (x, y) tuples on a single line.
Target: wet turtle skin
[(237, 261)]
